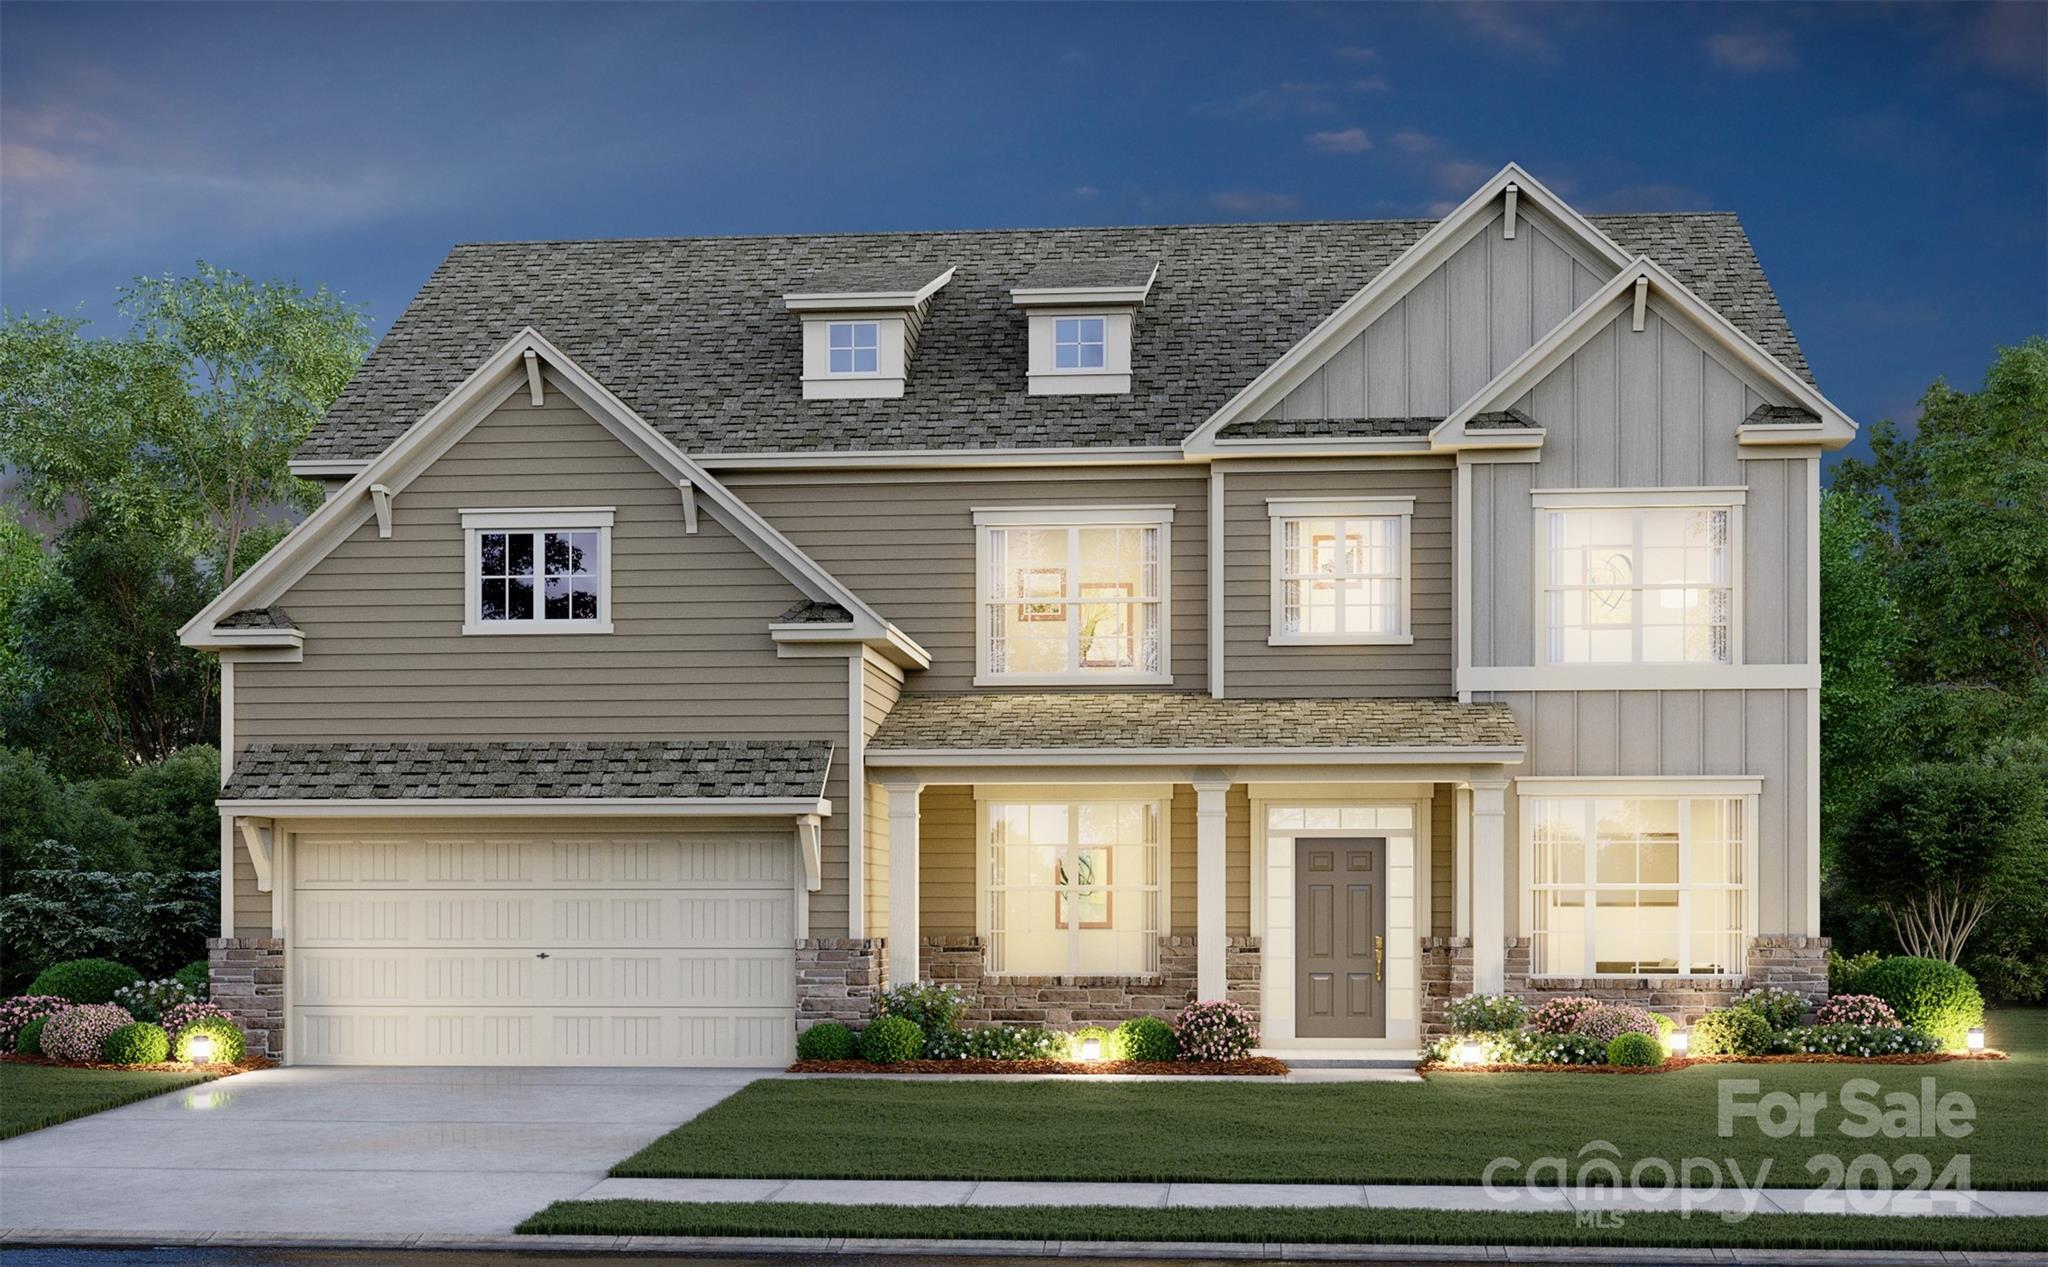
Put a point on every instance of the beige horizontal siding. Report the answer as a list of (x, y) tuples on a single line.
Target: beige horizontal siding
[(1442, 860)]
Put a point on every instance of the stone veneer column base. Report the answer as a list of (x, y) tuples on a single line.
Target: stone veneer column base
[(1798, 964), (838, 978), (245, 976), (1062, 1002)]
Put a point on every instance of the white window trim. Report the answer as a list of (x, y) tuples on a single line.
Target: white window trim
[(1159, 795), (1545, 500), (1281, 509), (878, 350), (985, 518), (536, 519), (1748, 789)]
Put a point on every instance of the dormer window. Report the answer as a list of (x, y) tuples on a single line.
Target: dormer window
[(852, 347), (1080, 314)]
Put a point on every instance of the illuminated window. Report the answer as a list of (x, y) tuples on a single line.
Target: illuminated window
[(1639, 586), (1340, 570), (1073, 888), (1071, 595)]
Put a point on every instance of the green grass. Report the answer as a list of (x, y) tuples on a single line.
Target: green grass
[(35, 1096), (1350, 1226), (1444, 1130)]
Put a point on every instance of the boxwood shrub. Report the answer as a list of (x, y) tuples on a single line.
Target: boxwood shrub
[(139, 1044), (891, 1039), (29, 1041), (829, 1041), (84, 980), (1635, 1049), (229, 1046), (1731, 1031), (1929, 995), (1147, 1038)]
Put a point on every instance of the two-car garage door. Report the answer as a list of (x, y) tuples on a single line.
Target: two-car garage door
[(515, 948)]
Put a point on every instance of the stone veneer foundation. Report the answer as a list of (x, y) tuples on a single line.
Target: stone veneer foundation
[(837, 979), (245, 976), (1058, 1002), (1798, 964)]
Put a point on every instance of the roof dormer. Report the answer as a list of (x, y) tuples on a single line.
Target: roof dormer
[(860, 327), (1080, 314)]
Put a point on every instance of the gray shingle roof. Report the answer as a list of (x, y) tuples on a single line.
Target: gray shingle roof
[(810, 612), (1503, 420), (692, 334), (1072, 274), (864, 278), (256, 618), (1325, 428), (1781, 415), (463, 770), (1177, 720)]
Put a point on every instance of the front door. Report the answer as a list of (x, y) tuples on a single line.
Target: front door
[(1340, 950)]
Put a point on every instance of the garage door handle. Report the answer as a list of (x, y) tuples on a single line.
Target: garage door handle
[(542, 955)]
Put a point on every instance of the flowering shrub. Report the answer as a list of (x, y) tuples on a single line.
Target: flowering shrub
[(1854, 1040), (178, 1016), (1781, 1009), (1015, 1042), (1604, 1024), (1215, 1030), (80, 1034), (197, 979), (149, 1000), (935, 1009), (1855, 1009), (1485, 1013), (15, 1013), (1558, 1016), (1520, 1047)]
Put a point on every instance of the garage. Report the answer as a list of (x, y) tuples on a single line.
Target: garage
[(500, 946)]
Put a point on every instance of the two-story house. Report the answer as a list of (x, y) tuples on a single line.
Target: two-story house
[(700, 634)]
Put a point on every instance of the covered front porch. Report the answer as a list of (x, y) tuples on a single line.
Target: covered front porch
[(1078, 859)]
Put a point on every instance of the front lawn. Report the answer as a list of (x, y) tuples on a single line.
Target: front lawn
[(1444, 1130), (35, 1096), (1343, 1226)]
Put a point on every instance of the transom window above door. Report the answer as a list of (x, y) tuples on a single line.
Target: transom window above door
[(1340, 570), (1072, 595), (537, 571), (1647, 584)]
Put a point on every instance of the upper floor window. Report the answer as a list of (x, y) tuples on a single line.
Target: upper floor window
[(1341, 570), (1072, 595), (853, 347), (1077, 343), (538, 571), (1647, 584)]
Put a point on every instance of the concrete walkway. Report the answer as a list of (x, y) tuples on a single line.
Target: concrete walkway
[(348, 1152), (1389, 1196)]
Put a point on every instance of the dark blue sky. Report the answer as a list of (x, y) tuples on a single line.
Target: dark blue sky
[(1891, 163)]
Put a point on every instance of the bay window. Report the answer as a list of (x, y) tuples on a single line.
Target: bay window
[(1072, 887), (1642, 584), (1072, 595)]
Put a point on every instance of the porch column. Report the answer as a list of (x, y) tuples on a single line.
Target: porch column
[(1489, 886), (1210, 793), (903, 798)]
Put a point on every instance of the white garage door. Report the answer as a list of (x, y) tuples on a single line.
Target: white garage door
[(519, 949)]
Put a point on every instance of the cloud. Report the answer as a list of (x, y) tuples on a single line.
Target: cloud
[(1085, 191), (1253, 202), (2010, 39), (1344, 141), (1371, 83), (1442, 209), (1357, 53), (1655, 196), (1414, 142), (1753, 52), (1502, 25), (1462, 174), (1284, 98)]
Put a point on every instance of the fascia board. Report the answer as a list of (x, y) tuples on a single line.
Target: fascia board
[(877, 300), (1545, 355), (326, 468), (1237, 756), (529, 806)]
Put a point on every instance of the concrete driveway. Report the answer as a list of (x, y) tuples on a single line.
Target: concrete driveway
[(363, 1152)]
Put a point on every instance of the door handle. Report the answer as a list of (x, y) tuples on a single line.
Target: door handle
[(542, 955), (1379, 958)]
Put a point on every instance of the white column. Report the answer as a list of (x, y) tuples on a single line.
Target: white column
[(1489, 886), (1210, 795), (903, 800), (1461, 862)]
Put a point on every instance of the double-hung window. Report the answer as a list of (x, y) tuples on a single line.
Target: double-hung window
[(1073, 887), (537, 571), (1639, 885), (1072, 595), (853, 347), (1638, 584), (1341, 570)]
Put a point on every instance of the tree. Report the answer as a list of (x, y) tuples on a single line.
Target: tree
[(1860, 641), (262, 361), (1937, 846)]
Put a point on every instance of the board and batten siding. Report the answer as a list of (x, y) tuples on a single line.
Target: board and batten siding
[(1461, 324), (1760, 733), (905, 542), (1254, 668), (691, 657)]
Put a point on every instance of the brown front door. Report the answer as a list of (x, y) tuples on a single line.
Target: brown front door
[(1340, 953)]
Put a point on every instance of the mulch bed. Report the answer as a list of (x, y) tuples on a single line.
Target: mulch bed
[(169, 1066), (1686, 1062), (1258, 1066)]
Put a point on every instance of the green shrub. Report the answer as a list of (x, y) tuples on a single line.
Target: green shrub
[(1781, 1009), (1929, 995), (1015, 1042), (1147, 1038), (1845, 974), (1853, 1040), (29, 1042), (1635, 1049), (935, 1009), (84, 980), (830, 1041), (229, 1046), (1731, 1031), (196, 978), (1518, 1047), (1111, 1041), (890, 1039), (1486, 1013), (1666, 1027), (150, 1000), (139, 1044)]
